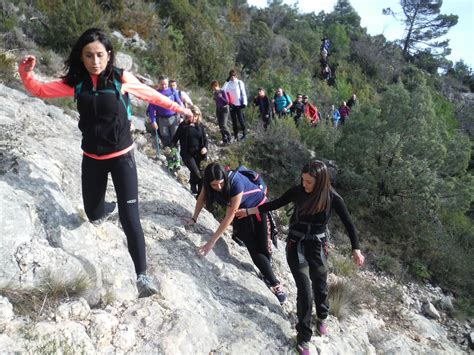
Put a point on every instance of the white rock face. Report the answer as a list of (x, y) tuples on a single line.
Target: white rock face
[(431, 310), (75, 310), (6, 313), (206, 305)]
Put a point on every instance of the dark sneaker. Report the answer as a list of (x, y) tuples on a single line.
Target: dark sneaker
[(111, 210), (302, 348), (145, 286), (322, 327), (279, 293)]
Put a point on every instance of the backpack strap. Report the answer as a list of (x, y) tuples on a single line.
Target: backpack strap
[(77, 90), (118, 88)]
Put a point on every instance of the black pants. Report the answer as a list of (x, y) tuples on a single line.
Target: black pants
[(311, 279), (237, 115), (256, 237), (222, 114), (124, 177), (267, 119), (193, 163)]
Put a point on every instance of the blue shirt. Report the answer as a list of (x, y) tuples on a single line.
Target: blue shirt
[(252, 194)]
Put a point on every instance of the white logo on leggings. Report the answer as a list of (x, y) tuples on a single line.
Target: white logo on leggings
[(132, 201)]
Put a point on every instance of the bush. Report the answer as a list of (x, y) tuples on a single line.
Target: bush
[(342, 266), (388, 264), (7, 68)]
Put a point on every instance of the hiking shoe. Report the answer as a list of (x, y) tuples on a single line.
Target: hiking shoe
[(302, 348), (111, 210), (145, 286), (279, 293), (322, 327)]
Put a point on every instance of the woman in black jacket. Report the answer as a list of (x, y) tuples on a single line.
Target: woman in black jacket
[(307, 250), (193, 146)]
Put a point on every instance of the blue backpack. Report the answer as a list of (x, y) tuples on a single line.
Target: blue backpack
[(253, 176)]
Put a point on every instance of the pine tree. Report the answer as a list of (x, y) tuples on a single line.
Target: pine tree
[(424, 24)]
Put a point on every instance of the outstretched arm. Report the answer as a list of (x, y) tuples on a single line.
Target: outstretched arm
[(146, 93), (229, 217), (51, 89)]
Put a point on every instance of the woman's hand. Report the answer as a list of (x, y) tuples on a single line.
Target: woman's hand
[(206, 248), (28, 63), (358, 257), (204, 151), (241, 213), (190, 221), (154, 125)]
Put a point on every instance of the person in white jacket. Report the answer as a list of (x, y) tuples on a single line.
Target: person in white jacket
[(237, 97)]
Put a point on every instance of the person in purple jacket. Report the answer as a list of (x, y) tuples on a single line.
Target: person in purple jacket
[(168, 120), (222, 111), (235, 190)]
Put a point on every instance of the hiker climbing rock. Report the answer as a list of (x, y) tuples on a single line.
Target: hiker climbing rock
[(235, 190), (101, 91), (307, 243)]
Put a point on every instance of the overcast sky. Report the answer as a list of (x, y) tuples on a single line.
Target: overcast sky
[(370, 12)]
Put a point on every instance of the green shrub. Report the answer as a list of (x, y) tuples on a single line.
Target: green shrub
[(342, 266), (7, 68), (388, 264)]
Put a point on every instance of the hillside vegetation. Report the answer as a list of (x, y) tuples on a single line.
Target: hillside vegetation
[(404, 164)]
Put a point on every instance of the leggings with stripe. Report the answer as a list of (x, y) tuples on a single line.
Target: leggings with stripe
[(124, 176)]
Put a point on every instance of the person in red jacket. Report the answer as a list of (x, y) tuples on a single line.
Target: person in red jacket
[(344, 112), (101, 91)]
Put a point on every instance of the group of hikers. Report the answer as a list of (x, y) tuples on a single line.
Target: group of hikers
[(101, 91)]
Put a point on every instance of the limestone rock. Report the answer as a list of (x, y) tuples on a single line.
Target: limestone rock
[(431, 310), (6, 313), (102, 328), (123, 61), (74, 310)]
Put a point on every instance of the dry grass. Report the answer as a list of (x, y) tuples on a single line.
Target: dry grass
[(345, 298), (50, 292)]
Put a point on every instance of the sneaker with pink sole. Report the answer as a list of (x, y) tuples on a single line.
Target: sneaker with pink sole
[(322, 327)]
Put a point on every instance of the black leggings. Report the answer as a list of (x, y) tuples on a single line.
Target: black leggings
[(311, 279), (193, 163), (237, 115), (255, 236), (124, 177)]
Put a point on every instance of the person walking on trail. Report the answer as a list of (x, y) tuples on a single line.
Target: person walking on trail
[(235, 190), (237, 97), (307, 243), (336, 116), (344, 112), (102, 91), (352, 101), (192, 139), (310, 111), (281, 103), (222, 111), (183, 95), (168, 120), (324, 49), (297, 109), (264, 106)]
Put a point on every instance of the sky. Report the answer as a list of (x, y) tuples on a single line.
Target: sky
[(370, 12)]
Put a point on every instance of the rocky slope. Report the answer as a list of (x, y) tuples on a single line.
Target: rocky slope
[(207, 305)]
